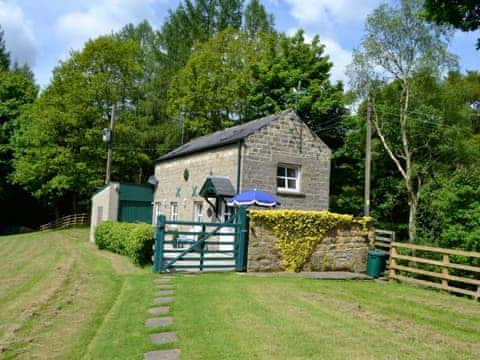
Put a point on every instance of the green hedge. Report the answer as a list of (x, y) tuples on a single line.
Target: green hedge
[(132, 240)]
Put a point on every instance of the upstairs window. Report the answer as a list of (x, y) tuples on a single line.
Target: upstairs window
[(288, 178)]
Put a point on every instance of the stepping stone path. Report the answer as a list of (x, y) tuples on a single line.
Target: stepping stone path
[(163, 300), (163, 338), (166, 287), (162, 355), (165, 292), (158, 321), (159, 310)]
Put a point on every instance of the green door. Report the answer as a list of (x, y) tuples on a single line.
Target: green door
[(135, 211)]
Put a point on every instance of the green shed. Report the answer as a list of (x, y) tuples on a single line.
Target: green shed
[(135, 203), (122, 202)]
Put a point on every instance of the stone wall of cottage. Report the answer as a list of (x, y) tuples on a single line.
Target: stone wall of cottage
[(288, 141), (343, 249), (172, 186)]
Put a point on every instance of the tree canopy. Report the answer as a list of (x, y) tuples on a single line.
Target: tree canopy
[(461, 14), (398, 44)]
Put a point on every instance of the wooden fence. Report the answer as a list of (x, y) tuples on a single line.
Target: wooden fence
[(383, 241), (418, 267), (67, 221)]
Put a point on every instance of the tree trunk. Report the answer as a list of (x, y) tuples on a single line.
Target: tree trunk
[(407, 153), (412, 213)]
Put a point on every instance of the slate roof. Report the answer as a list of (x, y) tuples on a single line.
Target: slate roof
[(223, 137), (222, 187)]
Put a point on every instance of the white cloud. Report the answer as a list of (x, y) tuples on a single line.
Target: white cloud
[(327, 12), (340, 59), (102, 17), (339, 56), (19, 37)]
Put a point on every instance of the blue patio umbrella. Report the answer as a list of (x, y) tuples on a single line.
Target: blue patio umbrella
[(254, 197)]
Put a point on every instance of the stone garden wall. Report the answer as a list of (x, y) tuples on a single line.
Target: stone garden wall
[(343, 249)]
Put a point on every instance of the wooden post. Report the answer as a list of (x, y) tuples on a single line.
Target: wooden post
[(445, 262), (110, 147), (393, 261), (159, 239), (368, 161)]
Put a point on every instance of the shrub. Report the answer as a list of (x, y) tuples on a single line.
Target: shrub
[(132, 240), (299, 232)]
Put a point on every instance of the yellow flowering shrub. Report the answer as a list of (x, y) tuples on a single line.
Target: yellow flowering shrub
[(299, 232)]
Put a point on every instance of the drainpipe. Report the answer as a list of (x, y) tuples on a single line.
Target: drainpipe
[(239, 163)]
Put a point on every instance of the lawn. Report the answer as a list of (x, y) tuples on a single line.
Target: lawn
[(229, 316), (62, 298)]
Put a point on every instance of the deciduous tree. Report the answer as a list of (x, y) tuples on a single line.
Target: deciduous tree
[(398, 44)]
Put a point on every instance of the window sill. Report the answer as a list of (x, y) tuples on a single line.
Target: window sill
[(290, 193)]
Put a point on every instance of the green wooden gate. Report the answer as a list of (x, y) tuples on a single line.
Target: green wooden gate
[(221, 246)]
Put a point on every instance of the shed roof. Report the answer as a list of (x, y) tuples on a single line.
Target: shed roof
[(223, 137), (217, 186)]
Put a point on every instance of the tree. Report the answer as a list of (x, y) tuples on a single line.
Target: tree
[(17, 92), (400, 44), (212, 90), (461, 14), (257, 20), (58, 151), (4, 54), (195, 21), (295, 74), (237, 78)]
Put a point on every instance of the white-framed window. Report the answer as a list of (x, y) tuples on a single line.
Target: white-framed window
[(197, 211), (288, 178), (157, 210), (174, 211)]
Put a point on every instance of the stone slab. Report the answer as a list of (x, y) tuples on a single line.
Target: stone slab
[(158, 321), (163, 300), (164, 292), (165, 286), (163, 338), (173, 354), (159, 310), (163, 280), (320, 275)]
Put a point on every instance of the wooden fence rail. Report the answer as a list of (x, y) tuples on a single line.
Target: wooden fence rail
[(383, 241), (67, 221), (411, 267)]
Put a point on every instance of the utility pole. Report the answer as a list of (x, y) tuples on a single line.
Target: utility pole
[(368, 160), (108, 137)]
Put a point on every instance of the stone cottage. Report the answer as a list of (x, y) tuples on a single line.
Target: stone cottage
[(278, 154)]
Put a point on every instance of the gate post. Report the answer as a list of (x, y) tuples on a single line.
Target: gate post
[(159, 239), (202, 247), (242, 228)]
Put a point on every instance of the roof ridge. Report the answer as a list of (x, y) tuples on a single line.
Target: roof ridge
[(225, 136)]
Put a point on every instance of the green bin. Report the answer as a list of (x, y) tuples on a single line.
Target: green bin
[(376, 262)]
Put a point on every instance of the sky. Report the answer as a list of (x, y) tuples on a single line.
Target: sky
[(43, 32)]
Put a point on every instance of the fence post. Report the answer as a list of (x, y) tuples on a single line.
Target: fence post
[(202, 247), (445, 261), (159, 239), (393, 261), (242, 228)]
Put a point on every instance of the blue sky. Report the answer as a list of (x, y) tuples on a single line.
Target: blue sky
[(42, 32)]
